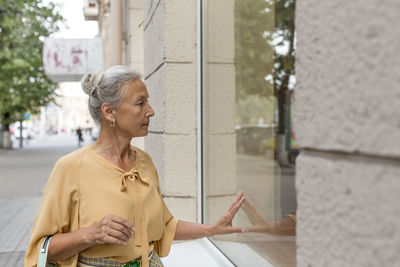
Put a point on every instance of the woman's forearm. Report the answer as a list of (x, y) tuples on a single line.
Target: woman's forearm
[(188, 230), (65, 245)]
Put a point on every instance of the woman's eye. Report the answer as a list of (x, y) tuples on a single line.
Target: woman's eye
[(142, 102)]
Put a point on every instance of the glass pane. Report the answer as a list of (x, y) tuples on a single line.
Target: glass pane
[(249, 141)]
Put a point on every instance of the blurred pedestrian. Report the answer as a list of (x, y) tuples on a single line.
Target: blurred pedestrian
[(102, 203), (79, 135)]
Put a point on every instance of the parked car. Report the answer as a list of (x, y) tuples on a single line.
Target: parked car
[(26, 131), (268, 147), (249, 139)]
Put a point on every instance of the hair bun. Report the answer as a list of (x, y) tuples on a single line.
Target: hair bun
[(91, 81)]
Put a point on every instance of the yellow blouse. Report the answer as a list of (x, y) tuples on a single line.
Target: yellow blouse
[(84, 187)]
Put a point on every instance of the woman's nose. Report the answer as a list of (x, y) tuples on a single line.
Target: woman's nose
[(150, 112)]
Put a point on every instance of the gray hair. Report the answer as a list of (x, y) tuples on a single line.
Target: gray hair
[(106, 87)]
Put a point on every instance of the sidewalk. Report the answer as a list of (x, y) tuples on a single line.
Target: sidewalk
[(23, 175)]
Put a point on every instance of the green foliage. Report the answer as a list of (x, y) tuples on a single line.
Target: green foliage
[(261, 28), (24, 86), (284, 36), (254, 54), (264, 58)]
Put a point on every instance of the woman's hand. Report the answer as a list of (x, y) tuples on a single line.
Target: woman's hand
[(188, 230), (224, 225), (111, 229)]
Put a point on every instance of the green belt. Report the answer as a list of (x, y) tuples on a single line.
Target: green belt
[(137, 263), (133, 264)]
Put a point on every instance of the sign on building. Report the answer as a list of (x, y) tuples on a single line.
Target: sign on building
[(67, 60)]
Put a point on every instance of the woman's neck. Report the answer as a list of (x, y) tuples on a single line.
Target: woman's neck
[(115, 148)]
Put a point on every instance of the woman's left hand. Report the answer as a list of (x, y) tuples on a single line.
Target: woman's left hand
[(224, 225)]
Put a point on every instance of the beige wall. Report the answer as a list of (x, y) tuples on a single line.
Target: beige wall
[(347, 103), (170, 74), (219, 103)]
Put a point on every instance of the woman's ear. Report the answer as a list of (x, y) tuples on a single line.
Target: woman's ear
[(108, 111)]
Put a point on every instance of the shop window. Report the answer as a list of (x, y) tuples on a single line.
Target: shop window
[(249, 142)]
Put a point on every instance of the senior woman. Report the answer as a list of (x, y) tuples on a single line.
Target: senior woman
[(102, 203)]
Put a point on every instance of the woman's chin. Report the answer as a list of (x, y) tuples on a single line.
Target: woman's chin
[(141, 133)]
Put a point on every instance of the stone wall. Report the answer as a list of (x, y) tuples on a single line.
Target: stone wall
[(171, 78), (219, 105), (347, 123)]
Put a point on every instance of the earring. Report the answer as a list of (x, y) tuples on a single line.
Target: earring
[(112, 124)]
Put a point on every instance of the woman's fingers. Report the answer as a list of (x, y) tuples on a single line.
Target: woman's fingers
[(235, 207), (123, 221), (239, 195), (224, 224), (121, 229), (115, 230), (117, 235)]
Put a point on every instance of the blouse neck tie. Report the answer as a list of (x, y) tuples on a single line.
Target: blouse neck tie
[(141, 231), (132, 175)]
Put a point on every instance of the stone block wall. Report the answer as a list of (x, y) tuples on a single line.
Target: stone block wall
[(171, 77), (219, 105), (347, 124)]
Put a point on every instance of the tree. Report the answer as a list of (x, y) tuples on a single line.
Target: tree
[(24, 87), (254, 53), (265, 58), (284, 60)]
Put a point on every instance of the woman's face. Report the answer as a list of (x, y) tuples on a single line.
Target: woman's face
[(133, 116)]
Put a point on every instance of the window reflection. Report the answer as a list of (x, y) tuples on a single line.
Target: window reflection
[(250, 144)]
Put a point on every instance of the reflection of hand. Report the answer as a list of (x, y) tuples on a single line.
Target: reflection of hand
[(224, 224), (112, 229), (285, 226)]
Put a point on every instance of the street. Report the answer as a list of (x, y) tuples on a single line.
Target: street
[(23, 175)]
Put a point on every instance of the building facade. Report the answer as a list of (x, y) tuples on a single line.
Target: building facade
[(239, 88)]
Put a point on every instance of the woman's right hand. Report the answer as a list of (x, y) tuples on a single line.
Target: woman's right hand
[(111, 229)]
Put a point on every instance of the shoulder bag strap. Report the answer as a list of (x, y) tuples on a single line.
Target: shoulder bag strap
[(42, 259)]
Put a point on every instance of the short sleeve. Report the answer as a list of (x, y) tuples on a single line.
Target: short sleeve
[(163, 245), (58, 210)]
